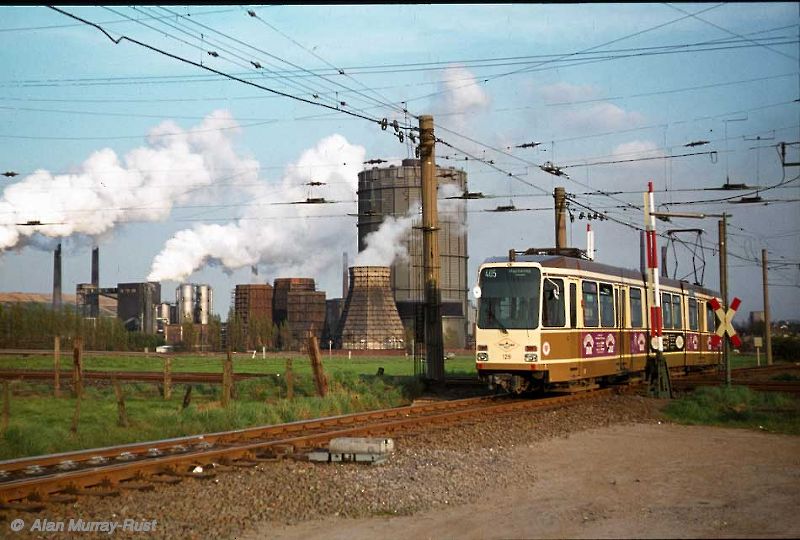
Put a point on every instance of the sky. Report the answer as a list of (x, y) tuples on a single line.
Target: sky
[(180, 174)]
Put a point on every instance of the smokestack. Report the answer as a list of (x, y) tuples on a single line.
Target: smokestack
[(95, 299), (344, 275), (664, 271), (589, 242), (96, 266), (561, 218), (57, 277)]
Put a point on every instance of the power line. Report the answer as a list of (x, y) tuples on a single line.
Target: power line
[(207, 68), (695, 16)]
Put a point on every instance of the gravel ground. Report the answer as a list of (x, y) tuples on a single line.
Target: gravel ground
[(430, 469)]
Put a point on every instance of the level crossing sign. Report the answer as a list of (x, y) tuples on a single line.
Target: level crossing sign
[(725, 318)]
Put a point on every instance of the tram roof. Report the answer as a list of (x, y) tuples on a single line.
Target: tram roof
[(574, 263)]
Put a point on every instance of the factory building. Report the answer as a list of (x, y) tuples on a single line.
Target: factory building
[(390, 191), (253, 308), (137, 306), (297, 304)]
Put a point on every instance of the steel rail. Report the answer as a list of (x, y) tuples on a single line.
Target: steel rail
[(761, 386), (250, 451), (79, 457)]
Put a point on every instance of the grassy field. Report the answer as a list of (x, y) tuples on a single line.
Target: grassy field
[(737, 406), (40, 423), (242, 363)]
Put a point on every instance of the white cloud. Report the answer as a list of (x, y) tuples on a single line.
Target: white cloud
[(600, 117), (637, 148)]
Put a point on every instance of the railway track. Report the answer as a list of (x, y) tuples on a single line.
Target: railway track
[(27, 483), (789, 387), (742, 377)]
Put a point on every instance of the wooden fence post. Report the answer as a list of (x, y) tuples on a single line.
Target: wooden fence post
[(167, 377), (316, 366), (187, 397), (289, 379), (77, 366), (122, 416), (227, 376), (57, 366)]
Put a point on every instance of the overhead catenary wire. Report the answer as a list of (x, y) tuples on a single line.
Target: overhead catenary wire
[(213, 70), (294, 97), (229, 50)]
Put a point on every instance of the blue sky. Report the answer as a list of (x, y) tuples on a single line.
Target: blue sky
[(172, 170)]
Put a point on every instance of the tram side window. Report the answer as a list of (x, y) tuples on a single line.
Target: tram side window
[(590, 315), (553, 312), (711, 318), (693, 323), (700, 306), (636, 307), (573, 305), (677, 317), (607, 318), (666, 310)]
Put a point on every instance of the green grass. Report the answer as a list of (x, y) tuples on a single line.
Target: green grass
[(40, 424), (242, 363), (739, 407)]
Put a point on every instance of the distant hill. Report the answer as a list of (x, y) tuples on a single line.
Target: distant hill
[(108, 306)]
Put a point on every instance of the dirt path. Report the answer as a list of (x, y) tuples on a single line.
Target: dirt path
[(629, 481)]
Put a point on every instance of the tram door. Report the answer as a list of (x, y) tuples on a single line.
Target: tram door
[(619, 296)]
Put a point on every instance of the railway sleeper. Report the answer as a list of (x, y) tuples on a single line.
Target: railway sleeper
[(93, 491), (20, 506), (136, 485)]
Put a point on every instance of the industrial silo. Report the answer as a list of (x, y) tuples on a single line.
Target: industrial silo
[(203, 306), (184, 298), (391, 191)]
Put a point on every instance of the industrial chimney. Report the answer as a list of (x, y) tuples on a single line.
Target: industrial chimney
[(370, 319), (57, 277), (95, 299)]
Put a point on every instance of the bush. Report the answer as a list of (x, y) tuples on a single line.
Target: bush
[(786, 348)]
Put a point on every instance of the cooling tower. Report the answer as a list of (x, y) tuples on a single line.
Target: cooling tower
[(370, 319)]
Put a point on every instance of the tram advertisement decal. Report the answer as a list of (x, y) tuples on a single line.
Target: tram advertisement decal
[(638, 342), (598, 344), (674, 342), (692, 342)]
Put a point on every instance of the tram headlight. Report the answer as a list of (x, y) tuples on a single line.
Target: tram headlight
[(531, 357), (483, 357)]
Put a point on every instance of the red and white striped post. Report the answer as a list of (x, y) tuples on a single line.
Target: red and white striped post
[(656, 322)]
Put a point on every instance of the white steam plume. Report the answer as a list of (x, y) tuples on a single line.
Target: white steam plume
[(106, 190), (387, 244), (460, 98), (296, 239)]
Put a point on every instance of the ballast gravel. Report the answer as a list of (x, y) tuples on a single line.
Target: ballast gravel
[(431, 468)]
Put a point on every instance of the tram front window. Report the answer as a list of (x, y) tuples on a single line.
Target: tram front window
[(509, 298)]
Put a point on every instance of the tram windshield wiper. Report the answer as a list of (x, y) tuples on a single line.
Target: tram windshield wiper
[(500, 324)]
